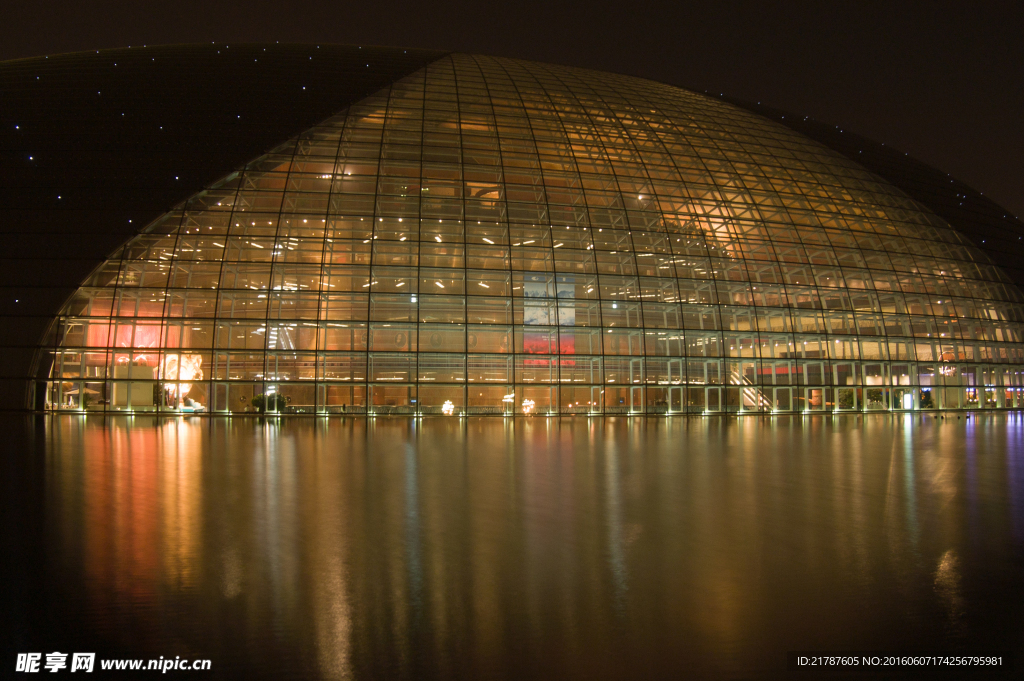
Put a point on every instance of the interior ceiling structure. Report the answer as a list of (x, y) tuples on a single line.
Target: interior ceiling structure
[(752, 222)]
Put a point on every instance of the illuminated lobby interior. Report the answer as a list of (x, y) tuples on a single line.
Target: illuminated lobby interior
[(493, 236)]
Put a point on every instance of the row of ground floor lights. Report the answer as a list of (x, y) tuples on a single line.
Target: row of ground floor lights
[(310, 398)]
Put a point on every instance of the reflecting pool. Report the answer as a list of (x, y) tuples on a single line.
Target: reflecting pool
[(475, 548)]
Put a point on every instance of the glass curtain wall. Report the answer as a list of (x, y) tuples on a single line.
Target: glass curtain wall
[(490, 236)]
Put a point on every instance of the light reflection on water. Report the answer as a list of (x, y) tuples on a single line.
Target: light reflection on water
[(602, 548)]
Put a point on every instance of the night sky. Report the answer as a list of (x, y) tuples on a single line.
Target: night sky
[(943, 81)]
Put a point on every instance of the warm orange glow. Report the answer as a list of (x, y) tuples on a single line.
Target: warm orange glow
[(185, 368)]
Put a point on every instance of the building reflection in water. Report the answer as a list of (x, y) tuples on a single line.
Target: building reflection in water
[(501, 548)]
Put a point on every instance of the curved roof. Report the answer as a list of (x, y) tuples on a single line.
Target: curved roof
[(989, 226), (765, 208)]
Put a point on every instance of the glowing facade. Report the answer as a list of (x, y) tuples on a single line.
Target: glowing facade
[(494, 236)]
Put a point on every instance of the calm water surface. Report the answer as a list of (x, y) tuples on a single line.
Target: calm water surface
[(484, 548)]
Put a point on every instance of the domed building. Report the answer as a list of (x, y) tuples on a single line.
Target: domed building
[(479, 235)]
